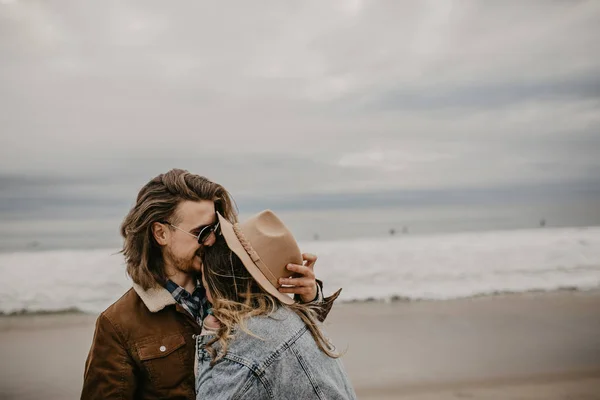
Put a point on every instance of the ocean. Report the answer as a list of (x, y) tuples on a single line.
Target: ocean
[(411, 267)]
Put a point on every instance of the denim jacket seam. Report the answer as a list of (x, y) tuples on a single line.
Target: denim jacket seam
[(249, 385), (255, 369), (244, 390), (286, 345), (318, 390)]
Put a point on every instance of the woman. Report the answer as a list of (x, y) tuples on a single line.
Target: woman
[(259, 343)]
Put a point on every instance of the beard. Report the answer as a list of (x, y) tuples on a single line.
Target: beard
[(188, 265)]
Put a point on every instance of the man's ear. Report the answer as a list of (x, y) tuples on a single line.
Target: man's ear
[(159, 231)]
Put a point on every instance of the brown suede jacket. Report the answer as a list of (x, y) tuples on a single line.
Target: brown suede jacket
[(144, 348)]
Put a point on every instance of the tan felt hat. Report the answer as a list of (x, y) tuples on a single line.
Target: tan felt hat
[(265, 246)]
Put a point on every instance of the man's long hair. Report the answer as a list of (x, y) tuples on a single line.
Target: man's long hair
[(237, 296), (157, 201)]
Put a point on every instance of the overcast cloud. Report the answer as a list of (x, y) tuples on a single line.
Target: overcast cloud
[(277, 99)]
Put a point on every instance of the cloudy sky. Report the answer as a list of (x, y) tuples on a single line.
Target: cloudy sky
[(292, 101)]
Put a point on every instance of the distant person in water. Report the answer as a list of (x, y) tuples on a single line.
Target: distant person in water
[(258, 343)]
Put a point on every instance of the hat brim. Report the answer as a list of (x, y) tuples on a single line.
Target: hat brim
[(235, 245)]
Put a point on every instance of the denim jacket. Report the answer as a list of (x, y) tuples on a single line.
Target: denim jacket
[(284, 362)]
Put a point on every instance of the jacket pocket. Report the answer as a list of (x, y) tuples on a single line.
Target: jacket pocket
[(163, 358)]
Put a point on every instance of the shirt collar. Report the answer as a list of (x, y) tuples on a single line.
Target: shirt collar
[(178, 292)]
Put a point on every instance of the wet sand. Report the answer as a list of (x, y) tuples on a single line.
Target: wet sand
[(528, 346)]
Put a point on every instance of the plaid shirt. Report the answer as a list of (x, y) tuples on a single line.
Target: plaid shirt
[(196, 303)]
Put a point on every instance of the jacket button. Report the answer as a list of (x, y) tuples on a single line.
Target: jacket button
[(194, 336), (163, 348)]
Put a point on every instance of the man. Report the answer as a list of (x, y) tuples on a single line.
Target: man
[(143, 346)]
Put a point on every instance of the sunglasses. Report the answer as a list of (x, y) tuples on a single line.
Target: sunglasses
[(204, 234)]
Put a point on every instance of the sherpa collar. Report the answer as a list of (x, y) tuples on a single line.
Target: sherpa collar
[(155, 298)]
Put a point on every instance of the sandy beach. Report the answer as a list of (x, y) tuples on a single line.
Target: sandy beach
[(527, 346)]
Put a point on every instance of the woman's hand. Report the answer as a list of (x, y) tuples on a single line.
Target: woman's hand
[(304, 285)]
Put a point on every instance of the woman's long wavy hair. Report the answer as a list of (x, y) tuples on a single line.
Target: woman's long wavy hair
[(237, 297), (158, 201)]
